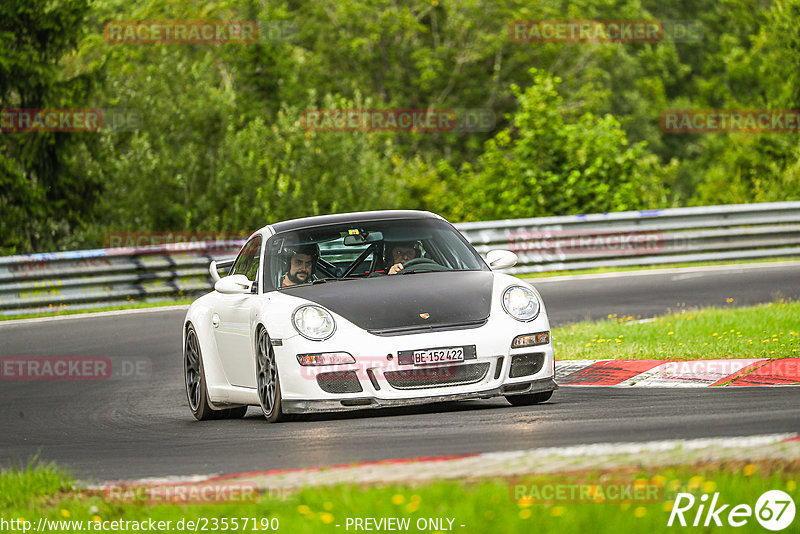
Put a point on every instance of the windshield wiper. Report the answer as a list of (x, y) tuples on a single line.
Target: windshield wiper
[(330, 278)]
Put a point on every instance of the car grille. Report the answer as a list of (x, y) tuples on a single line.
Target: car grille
[(526, 364), (339, 382), (424, 329), (435, 377)]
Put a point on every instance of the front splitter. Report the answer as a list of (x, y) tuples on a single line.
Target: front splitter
[(367, 403)]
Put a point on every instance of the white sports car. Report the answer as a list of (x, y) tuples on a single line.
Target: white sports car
[(363, 310)]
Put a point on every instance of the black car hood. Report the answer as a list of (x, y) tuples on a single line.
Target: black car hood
[(397, 303)]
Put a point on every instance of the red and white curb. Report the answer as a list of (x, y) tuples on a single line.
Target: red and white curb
[(502, 464), (668, 373)]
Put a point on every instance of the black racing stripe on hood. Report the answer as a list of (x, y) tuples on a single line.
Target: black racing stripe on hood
[(396, 301)]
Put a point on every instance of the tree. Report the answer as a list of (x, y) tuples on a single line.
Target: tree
[(43, 199), (544, 165), (269, 172), (763, 167)]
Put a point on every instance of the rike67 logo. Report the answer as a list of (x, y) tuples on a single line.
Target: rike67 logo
[(774, 510)]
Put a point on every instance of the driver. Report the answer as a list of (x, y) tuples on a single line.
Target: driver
[(401, 253), (300, 262)]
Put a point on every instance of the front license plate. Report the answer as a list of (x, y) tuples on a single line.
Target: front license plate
[(443, 355)]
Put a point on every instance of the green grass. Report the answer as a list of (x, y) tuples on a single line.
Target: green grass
[(20, 487), (597, 270), (493, 505), (132, 306), (765, 331)]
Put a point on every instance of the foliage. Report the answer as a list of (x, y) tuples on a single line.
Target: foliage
[(763, 167), (291, 172), (545, 165), (42, 198)]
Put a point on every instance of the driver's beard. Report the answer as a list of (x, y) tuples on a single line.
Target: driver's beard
[(295, 279)]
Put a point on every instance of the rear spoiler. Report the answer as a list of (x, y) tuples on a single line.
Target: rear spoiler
[(214, 266)]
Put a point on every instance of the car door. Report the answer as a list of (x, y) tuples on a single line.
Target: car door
[(233, 317)]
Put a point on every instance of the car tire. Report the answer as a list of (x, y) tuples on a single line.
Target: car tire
[(529, 400), (267, 380), (195, 379)]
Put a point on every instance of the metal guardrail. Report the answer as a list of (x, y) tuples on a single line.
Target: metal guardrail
[(103, 277), (629, 238), (106, 277)]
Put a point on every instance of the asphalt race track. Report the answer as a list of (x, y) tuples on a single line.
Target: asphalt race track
[(140, 426)]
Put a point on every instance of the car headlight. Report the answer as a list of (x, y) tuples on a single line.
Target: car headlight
[(530, 340), (520, 303), (313, 322)]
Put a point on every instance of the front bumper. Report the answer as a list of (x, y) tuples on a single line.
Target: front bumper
[(382, 376), (365, 403)]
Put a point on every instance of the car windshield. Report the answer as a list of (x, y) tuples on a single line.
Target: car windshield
[(366, 249)]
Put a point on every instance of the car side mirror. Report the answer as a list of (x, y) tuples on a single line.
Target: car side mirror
[(233, 284), (501, 259)]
